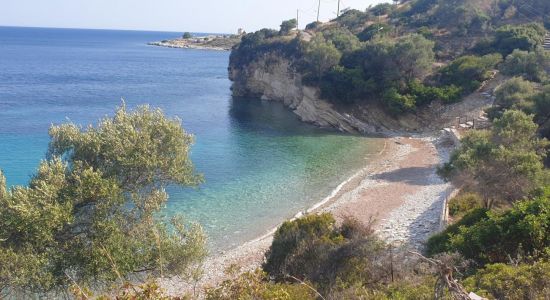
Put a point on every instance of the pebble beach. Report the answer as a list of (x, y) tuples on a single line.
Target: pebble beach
[(398, 190)]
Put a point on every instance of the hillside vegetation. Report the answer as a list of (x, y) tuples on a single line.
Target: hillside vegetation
[(90, 219), (406, 56)]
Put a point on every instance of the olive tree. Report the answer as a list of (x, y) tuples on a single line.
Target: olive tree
[(92, 212)]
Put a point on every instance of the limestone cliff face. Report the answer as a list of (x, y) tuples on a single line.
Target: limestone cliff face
[(272, 77)]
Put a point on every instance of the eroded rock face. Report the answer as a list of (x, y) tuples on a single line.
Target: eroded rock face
[(272, 77)]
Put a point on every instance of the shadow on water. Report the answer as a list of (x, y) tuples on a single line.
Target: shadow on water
[(272, 118)]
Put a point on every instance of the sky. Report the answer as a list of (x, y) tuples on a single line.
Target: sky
[(216, 16)]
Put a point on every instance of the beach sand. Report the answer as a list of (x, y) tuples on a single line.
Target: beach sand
[(398, 189)]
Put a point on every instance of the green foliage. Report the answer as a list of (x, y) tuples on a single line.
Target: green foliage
[(462, 204), (439, 243), (93, 215), (313, 25), (398, 103), (314, 249), (293, 238), (530, 65), (526, 37), (345, 85), (342, 38), (418, 94), (542, 104), (321, 55), (502, 281), (3, 190), (256, 44), (287, 26), (426, 94), (256, 285), (461, 16), (511, 152), (496, 237), (375, 30), (469, 72), (395, 63), (515, 93), (187, 35), (381, 9), (353, 19)]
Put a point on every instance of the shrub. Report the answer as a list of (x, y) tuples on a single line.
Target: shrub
[(342, 85), (187, 35), (511, 152), (515, 93), (462, 204), (381, 9), (293, 238), (256, 285), (542, 104), (512, 282), (495, 237), (287, 26), (375, 30), (398, 103), (91, 210), (353, 19), (439, 243), (426, 94), (256, 44), (530, 65), (469, 72), (313, 25), (526, 37), (321, 55), (342, 38), (314, 249)]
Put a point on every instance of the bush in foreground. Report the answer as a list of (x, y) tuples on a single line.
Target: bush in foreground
[(90, 213)]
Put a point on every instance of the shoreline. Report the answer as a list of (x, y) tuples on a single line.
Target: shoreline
[(187, 46), (362, 196)]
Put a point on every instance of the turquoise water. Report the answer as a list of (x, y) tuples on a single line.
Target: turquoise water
[(261, 164)]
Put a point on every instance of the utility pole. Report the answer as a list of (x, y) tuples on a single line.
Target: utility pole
[(298, 19), (318, 10), (338, 10)]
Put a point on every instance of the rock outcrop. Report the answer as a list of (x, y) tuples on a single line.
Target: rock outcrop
[(273, 77)]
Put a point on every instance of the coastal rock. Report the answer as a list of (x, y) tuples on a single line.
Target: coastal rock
[(273, 77)]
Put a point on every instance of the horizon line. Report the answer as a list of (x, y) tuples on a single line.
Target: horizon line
[(108, 29)]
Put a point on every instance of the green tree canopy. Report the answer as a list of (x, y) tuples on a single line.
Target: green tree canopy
[(524, 37), (531, 65), (496, 237), (90, 214), (515, 93), (288, 25), (321, 55), (503, 164)]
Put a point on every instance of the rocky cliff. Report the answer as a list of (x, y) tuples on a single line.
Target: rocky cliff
[(273, 77)]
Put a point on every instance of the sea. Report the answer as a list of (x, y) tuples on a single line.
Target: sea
[(261, 164)]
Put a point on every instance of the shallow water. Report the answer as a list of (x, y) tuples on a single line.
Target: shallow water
[(261, 164)]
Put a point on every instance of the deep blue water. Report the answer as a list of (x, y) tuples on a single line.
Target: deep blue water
[(260, 163)]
